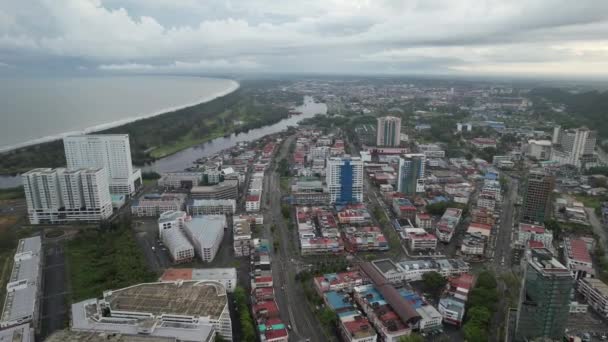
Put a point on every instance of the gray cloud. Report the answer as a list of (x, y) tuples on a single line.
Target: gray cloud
[(391, 36)]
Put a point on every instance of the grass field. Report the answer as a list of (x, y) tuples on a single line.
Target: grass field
[(12, 193), (100, 261), (590, 201)]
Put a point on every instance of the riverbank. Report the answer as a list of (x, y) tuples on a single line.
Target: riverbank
[(162, 135)]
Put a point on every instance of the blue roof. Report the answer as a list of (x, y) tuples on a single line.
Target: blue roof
[(412, 297), (438, 199), (337, 300)]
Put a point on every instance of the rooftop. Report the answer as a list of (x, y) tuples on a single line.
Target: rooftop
[(173, 274), (206, 228), (576, 249), (20, 333), (24, 278), (96, 336), (597, 284), (198, 299)]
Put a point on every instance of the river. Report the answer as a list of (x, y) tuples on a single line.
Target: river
[(185, 158)]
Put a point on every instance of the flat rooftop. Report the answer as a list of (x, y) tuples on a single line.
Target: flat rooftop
[(198, 299), (385, 265), (96, 336)]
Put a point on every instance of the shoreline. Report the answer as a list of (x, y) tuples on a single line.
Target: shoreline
[(92, 129)]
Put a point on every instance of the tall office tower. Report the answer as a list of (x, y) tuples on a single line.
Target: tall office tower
[(388, 132), (111, 151), (537, 200), (411, 173), (544, 302), (344, 178), (573, 146), (60, 195)]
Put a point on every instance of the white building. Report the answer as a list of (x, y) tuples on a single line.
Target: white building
[(170, 231), (212, 207), (21, 302), (155, 204), (467, 127), (180, 180), (530, 232), (572, 145), (225, 276), (388, 132), (206, 233), (539, 149), (344, 179), (111, 151), (253, 203), (596, 293), (60, 195), (184, 310), (241, 228)]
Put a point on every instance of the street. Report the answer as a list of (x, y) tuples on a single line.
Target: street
[(288, 293), (55, 293)]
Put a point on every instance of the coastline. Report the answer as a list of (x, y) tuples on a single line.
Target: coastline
[(234, 87)]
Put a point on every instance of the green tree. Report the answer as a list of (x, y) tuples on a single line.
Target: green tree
[(486, 279), (413, 337), (474, 333), (479, 315), (434, 283)]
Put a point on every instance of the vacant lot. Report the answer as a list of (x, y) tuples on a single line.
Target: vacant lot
[(107, 260)]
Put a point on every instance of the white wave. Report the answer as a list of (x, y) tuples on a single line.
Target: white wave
[(234, 86)]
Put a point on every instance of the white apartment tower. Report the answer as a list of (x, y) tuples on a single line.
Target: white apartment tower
[(60, 195), (573, 145), (344, 179), (388, 132), (111, 151)]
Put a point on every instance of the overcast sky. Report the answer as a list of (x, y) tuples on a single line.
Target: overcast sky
[(513, 37)]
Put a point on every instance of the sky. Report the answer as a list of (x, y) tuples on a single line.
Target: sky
[(463, 37)]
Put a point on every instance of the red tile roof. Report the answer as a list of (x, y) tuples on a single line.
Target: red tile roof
[(173, 274)]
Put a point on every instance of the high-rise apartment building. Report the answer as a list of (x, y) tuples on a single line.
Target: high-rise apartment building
[(537, 200), (411, 173), (111, 151), (388, 132), (544, 302), (344, 179), (60, 195), (573, 146)]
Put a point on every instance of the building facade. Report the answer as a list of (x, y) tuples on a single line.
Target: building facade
[(388, 131), (537, 200), (573, 146), (344, 179), (60, 195), (411, 170), (110, 151), (544, 302)]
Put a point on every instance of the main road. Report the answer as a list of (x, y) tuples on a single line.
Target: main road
[(288, 293), (506, 229)]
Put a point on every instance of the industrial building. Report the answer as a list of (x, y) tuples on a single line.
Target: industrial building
[(206, 233), (155, 204), (21, 302), (228, 189), (170, 231), (198, 207), (185, 310), (224, 276), (180, 180)]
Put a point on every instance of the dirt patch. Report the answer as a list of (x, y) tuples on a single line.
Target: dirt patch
[(7, 221)]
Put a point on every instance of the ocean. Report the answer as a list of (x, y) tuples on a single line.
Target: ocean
[(41, 109)]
